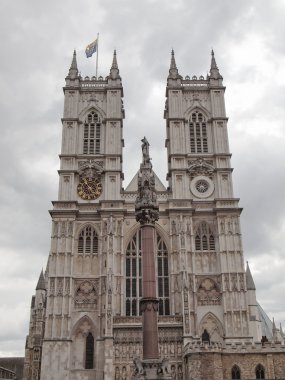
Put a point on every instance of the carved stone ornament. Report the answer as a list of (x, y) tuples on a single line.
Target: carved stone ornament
[(147, 304), (202, 186), (138, 370), (146, 206), (208, 293), (90, 169), (86, 294), (200, 167)]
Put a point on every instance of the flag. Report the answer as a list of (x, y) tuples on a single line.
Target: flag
[(91, 48)]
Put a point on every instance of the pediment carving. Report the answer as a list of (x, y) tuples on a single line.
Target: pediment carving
[(90, 169), (200, 167)]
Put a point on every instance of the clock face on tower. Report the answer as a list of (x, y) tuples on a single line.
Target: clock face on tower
[(89, 188)]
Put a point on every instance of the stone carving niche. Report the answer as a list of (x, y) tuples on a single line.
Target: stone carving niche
[(86, 295), (208, 293)]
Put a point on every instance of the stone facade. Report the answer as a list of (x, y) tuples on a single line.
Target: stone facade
[(85, 318)]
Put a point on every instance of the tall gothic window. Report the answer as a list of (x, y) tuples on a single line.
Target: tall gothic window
[(204, 238), (235, 373), (260, 372), (89, 351), (134, 275), (198, 133), (162, 276), (92, 134), (88, 241)]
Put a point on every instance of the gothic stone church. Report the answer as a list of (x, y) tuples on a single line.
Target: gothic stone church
[(85, 318)]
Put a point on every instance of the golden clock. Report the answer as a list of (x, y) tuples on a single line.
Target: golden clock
[(89, 188)]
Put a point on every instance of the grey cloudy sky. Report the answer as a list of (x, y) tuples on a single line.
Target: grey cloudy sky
[(37, 41)]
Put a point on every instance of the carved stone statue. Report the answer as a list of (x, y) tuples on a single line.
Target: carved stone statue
[(138, 370), (146, 203), (145, 150)]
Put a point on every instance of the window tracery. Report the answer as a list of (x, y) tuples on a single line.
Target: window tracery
[(260, 372), (198, 133), (235, 373), (204, 238), (92, 134), (208, 293), (134, 275), (88, 241)]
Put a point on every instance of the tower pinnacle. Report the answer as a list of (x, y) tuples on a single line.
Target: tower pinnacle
[(41, 282), (114, 71), (214, 70), (173, 71), (73, 71)]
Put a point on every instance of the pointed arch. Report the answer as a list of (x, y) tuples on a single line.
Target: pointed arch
[(83, 326), (197, 120), (92, 126), (133, 274), (83, 349), (236, 374), (213, 326), (204, 238), (196, 108), (88, 242), (259, 372), (91, 107)]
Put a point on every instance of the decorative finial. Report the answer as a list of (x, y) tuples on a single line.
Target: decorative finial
[(173, 71), (41, 282), (213, 60), (114, 72), (73, 71), (214, 70), (114, 64)]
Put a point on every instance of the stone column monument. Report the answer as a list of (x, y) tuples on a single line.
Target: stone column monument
[(147, 213)]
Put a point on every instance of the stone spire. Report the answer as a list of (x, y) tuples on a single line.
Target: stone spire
[(73, 71), (114, 71), (173, 71), (146, 206), (249, 280), (41, 282), (214, 70)]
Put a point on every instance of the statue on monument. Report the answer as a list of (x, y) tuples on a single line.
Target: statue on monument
[(146, 203)]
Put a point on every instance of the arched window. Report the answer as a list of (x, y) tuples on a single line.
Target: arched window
[(162, 276), (89, 351), (198, 133), (235, 373), (205, 336), (92, 134), (134, 275), (259, 372), (204, 238), (88, 241)]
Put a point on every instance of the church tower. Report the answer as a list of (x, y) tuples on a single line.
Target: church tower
[(79, 275), (86, 321), (204, 214)]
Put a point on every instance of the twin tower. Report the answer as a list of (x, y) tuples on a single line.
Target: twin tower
[(86, 320)]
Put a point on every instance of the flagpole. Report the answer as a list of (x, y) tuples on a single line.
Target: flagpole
[(97, 55)]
